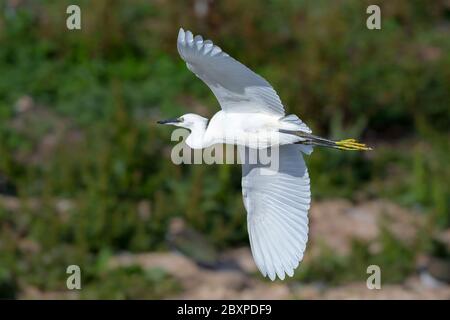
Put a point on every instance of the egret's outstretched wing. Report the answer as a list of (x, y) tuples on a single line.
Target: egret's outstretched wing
[(277, 211), (237, 88)]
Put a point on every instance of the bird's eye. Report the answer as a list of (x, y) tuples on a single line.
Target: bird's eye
[(181, 119)]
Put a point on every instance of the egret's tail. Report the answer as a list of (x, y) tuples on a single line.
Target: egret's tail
[(346, 144)]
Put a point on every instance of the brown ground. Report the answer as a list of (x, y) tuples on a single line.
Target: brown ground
[(333, 222), (199, 283)]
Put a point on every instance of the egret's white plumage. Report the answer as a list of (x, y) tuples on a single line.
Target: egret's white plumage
[(277, 212), (236, 87), (253, 116)]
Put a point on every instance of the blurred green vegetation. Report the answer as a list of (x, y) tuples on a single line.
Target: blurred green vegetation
[(131, 283), (395, 257), (87, 157)]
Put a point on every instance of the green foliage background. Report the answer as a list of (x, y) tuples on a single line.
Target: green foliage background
[(100, 90)]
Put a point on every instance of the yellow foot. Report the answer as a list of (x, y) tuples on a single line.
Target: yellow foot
[(351, 144)]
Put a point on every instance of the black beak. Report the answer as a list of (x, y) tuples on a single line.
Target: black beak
[(169, 121)]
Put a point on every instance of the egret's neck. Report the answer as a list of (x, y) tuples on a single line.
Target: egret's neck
[(197, 138)]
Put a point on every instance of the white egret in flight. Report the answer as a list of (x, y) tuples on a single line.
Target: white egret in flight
[(253, 116)]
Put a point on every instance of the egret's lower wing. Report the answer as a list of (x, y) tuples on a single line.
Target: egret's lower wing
[(277, 198)]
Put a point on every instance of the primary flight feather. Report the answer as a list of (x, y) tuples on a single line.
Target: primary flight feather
[(277, 198)]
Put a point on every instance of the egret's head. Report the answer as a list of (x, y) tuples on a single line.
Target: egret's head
[(188, 121)]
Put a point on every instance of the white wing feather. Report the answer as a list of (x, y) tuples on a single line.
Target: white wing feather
[(277, 211), (237, 88)]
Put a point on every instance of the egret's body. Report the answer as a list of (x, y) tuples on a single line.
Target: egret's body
[(262, 131), (253, 116)]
